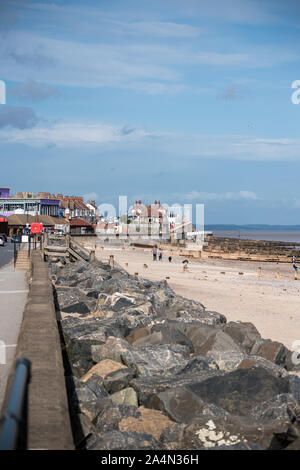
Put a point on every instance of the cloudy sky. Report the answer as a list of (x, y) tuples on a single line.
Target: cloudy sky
[(185, 102)]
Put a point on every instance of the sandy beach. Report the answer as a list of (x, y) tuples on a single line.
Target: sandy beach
[(272, 304)]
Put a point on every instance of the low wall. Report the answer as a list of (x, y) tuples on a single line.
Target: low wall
[(49, 425)]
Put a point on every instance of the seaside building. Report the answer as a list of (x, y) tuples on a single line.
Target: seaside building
[(17, 223), (80, 227), (28, 203), (73, 207), (153, 213)]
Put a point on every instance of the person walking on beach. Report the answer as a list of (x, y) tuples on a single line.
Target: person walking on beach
[(154, 252), (160, 254), (293, 259)]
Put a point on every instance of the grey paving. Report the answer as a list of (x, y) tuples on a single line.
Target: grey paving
[(13, 295), (6, 253)]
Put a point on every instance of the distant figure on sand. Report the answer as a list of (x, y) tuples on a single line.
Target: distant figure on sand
[(293, 259), (170, 259), (160, 254), (154, 252)]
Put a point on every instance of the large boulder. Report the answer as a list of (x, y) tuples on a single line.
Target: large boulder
[(151, 360), (79, 337), (110, 417), (241, 390), (227, 360), (217, 342), (243, 333), (150, 422), (164, 334), (210, 433), (273, 351), (279, 408), (88, 398), (74, 300), (102, 369), (180, 404), (251, 362), (113, 348), (121, 378), (149, 387), (126, 396)]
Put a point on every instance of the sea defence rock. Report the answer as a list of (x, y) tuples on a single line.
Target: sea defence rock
[(148, 369)]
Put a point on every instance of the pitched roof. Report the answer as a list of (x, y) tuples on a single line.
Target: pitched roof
[(23, 219)]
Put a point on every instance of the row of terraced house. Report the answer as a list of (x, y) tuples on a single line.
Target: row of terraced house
[(56, 212)]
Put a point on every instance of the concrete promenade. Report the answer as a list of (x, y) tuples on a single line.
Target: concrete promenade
[(49, 426), (13, 295)]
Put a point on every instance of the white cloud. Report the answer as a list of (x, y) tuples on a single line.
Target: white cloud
[(156, 28), (163, 67), (173, 145), (72, 135)]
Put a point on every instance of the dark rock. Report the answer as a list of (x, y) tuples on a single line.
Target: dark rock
[(251, 362), (217, 342), (113, 349), (294, 386), (117, 440), (227, 360), (88, 398), (148, 387), (83, 430), (164, 334), (135, 317), (230, 431), (180, 404), (67, 300), (152, 359), (138, 333), (116, 381), (243, 333), (92, 408), (171, 435), (274, 352), (281, 407), (194, 367), (239, 391), (79, 337), (79, 307), (110, 416)]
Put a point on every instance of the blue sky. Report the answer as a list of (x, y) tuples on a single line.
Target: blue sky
[(184, 102)]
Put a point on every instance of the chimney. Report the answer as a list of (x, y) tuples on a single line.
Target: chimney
[(155, 202)]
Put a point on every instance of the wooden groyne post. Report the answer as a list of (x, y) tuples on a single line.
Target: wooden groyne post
[(111, 261)]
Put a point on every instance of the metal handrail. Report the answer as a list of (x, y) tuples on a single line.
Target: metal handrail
[(13, 434), (16, 249)]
